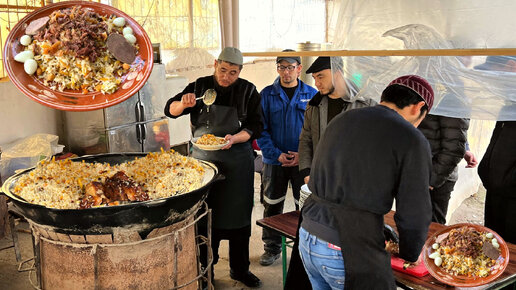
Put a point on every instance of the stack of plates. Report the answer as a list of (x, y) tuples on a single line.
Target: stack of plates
[(303, 194)]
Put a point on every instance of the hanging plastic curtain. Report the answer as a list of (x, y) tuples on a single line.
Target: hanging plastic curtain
[(468, 87)]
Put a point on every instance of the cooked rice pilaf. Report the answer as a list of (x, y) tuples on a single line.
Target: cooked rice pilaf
[(60, 68), (210, 140), (456, 262), (60, 184), (67, 72)]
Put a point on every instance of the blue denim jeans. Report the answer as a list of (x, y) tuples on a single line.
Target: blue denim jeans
[(324, 265)]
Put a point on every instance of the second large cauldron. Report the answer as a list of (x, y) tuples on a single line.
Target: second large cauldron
[(139, 216)]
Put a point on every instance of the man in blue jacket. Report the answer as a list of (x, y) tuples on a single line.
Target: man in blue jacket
[(284, 103)]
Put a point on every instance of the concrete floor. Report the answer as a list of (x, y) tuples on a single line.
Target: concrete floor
[(271, 276), (471, 210), (10, 278)]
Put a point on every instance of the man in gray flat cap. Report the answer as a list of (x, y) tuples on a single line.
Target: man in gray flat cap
[(236, 115)]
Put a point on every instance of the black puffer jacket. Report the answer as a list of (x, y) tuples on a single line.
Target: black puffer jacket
[(498, 166), (447, 137)]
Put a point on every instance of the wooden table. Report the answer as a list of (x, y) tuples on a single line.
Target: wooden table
[(286, 225)]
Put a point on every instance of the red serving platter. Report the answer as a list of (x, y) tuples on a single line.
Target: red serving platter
[(74, 100), (462, 280)]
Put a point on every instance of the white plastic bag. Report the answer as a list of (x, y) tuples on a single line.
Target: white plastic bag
[(27, 152)]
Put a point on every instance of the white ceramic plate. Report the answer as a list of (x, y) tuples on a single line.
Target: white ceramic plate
[(208, 147)]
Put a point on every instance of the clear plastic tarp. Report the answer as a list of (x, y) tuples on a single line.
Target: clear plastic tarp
[(464, 86)]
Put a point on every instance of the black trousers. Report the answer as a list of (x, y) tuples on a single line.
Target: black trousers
[(238, 247), (440, 198), (500, 215), (275, 180), (297, 279)]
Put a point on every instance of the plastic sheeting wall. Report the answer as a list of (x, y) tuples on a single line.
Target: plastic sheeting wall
[(461, 91), (475, 23)]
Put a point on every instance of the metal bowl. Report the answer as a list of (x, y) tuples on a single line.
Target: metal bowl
[(140, 216)]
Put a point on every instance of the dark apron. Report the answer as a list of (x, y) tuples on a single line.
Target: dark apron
[(366, 262), (231, 199)]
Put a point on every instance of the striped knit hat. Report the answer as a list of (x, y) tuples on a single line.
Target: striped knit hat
[(418, 85)]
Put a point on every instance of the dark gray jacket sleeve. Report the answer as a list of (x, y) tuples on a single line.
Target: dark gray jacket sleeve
[(306, 144)]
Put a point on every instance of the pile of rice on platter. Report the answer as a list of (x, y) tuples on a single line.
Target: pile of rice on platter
[(66, 184), (76, 48), (466, 254)]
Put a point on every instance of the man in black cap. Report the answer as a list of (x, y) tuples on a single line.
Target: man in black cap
[(283, 105), (336, 94), (498, 166)]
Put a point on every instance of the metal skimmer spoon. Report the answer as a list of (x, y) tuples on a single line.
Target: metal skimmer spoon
[(208, 97)]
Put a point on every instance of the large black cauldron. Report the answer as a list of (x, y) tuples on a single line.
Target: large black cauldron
[(140, 216)]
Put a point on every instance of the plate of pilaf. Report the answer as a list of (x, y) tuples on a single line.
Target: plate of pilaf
[(78, 56), (465, 255), (209, 142)]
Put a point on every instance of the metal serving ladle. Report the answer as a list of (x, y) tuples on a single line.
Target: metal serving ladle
[(208, 97)]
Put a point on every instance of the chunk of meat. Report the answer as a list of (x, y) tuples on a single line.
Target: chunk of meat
[(465, 240), (441, 237), (94, 195), (116, 188), (80, 31), (120, 48), (392, 247), (490, 251), (36, 25)]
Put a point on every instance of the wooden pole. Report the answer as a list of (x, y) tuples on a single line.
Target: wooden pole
[(401, 52), (190, 24)]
